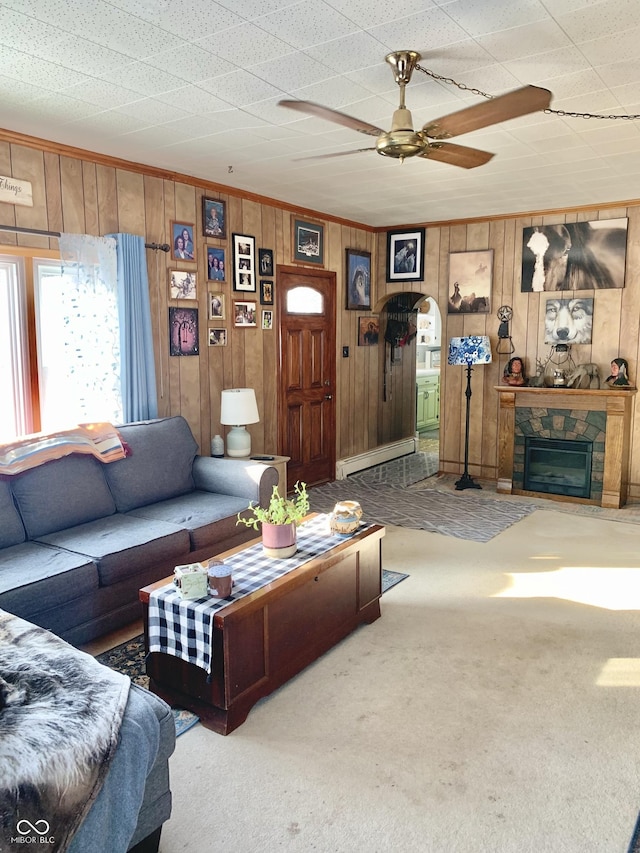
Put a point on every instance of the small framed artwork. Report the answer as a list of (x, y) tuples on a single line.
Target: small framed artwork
[(368, 331), (266, 293), (568, 321), (216, 306), (267, 319), (217, 337), (182, 285), (244, 314), (183, 331), (182, 245), (308, 242), (470, 282), (215, 264), (214, 218), (358, 267), (405, 255), (244, 263), (265, 259)]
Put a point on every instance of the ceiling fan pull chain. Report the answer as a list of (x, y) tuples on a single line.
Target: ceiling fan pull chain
[(453, 82)]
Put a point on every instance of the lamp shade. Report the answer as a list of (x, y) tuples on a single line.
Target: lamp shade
[(474, 349), (239, 407)]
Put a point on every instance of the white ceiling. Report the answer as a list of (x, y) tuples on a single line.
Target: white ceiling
[(193, 86)]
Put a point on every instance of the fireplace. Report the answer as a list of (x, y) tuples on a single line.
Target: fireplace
[(599, 417), (558, 466)]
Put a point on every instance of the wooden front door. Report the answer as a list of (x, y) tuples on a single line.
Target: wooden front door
[(307, 380)]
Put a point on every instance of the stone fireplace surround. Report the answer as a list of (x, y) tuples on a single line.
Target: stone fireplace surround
[(600, 416)]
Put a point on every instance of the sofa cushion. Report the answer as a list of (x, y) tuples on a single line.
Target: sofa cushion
[(61, 494), (159, 465), (35, 578), (198, 512), (11, 526), (122, 546)]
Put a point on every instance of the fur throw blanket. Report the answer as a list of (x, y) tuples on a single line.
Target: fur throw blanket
[(60, 715)]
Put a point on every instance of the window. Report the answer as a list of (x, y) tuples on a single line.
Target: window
[(60, 337), (304, 300)]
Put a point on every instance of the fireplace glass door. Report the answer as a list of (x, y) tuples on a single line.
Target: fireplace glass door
[(558, 466)]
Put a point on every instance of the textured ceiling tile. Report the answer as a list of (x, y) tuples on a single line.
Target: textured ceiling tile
[(425, 31), (144, 79), (192, 64), (477, 17), (38, 72), (546, 66), (102, 94), (524, 40), (335, 92), (618, 47), (306, 24), (245, 45), (606, 19), (292, 71), (351, 52), (153, 111), (239, 88), (194, 100)]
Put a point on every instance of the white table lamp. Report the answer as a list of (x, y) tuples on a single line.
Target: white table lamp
[(239, 408)]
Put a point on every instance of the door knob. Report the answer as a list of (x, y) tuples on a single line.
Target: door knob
[(328, 396)]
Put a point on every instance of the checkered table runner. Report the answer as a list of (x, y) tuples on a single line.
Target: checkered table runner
[(184, 627)]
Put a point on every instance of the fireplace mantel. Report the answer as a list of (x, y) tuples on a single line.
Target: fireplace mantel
[(617, 404)]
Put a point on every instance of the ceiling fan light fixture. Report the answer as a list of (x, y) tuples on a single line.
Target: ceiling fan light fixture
[(401, 144)]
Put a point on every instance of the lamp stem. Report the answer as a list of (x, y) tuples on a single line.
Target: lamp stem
[(466, 481)]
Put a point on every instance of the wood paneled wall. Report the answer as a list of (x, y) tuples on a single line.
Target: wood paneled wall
[(85, 193), (79, 194), (615, 329)]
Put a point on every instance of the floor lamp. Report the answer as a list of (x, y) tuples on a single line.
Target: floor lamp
[(475, 349)]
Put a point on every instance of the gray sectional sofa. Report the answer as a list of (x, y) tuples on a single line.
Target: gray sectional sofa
[(79, 537)]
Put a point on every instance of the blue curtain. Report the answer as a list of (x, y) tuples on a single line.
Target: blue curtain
[(139, 395)]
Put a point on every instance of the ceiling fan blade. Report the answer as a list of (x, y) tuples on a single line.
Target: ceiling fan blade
[(520, 102), (319, 111), (456, 155), (334, 154)]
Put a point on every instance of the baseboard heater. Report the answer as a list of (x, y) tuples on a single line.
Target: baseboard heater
[(384, 453)]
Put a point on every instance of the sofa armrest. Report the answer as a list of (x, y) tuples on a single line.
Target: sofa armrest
[(243, 478)]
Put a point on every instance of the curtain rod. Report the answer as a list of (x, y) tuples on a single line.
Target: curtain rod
[(162, 247)]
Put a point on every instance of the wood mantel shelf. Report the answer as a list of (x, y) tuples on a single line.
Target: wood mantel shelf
[(617, 403)]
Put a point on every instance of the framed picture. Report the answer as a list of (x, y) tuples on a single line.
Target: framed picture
[(358, 272), (266, 293), (470, 276), (216, 306), (244, 314), (182, 245), (183, 331), (574, 255), (214, 218), (217, 337), (405, 255), (368, 331), (182, 284), (267, 319), (265, 259), (244, 263), (568, 321), (215, 264), (308, 242)]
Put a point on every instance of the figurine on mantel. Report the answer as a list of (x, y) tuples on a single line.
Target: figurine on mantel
[(619, 374), (514, 372)]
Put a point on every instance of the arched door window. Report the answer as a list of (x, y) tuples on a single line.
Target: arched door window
[(304, 300)]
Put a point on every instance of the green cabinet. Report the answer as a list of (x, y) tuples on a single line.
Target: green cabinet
[(427, 403)]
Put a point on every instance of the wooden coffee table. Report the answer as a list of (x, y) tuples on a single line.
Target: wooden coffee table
[(266, 637)]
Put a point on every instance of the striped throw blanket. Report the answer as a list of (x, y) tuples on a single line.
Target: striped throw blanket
[(102, 440)]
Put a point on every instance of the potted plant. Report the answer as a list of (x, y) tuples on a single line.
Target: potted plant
[(279, 520)]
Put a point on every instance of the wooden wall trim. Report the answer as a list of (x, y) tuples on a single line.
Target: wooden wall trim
[(14, 138)]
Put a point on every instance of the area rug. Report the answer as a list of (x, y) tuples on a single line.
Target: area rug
[(128, 658), (390, 579), (463, 515)]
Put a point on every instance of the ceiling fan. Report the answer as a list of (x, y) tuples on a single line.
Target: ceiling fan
[(403, 141)]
